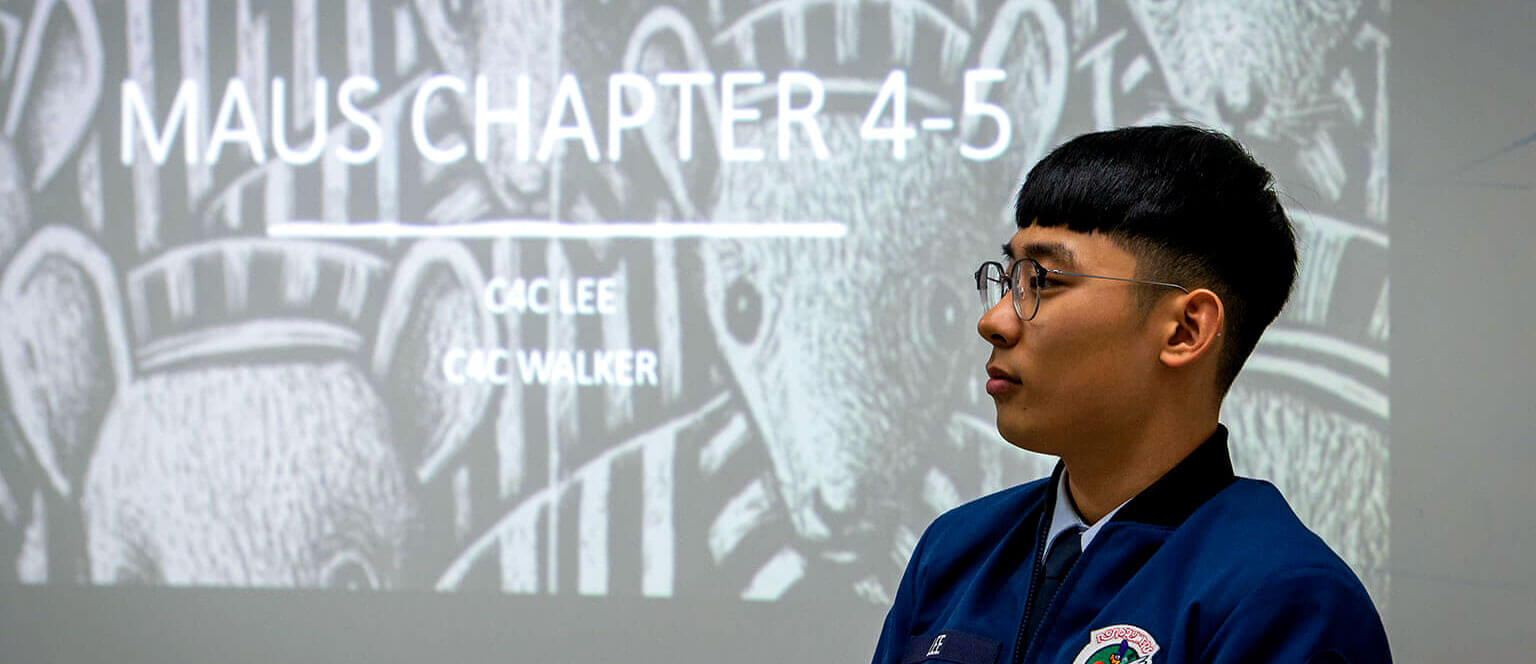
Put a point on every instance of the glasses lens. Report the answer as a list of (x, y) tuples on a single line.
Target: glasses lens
[(1026, 297), (989, 283)]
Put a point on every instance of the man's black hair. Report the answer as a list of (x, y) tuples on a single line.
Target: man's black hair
[(1190, 204)]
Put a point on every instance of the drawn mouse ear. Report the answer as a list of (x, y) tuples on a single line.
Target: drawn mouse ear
[(432, 307), (56, 84), (665, 41), (63, 348), (1028, 41)]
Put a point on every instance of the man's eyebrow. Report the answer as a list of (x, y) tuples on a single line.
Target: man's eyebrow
[(1008, 251), (1054, 253)]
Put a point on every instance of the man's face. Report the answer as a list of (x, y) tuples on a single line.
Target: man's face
[(1078, 373)]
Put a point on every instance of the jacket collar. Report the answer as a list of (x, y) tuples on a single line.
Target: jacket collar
[(1179, 492), (1184, 488)]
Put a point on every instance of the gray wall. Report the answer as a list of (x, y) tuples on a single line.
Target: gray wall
[(1464, 438)]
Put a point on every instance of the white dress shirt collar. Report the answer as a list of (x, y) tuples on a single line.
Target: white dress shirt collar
[(1066, 517)]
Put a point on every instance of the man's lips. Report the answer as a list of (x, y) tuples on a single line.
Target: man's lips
[(999, 381)]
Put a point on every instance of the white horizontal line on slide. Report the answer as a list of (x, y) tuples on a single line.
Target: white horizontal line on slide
[(536, 228)]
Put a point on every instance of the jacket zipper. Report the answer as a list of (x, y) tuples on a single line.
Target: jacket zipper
[(1020, 643)]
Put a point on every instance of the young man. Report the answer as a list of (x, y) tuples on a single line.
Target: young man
[(1147, 263)]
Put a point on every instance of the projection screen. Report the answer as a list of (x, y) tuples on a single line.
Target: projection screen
[(610, 299)]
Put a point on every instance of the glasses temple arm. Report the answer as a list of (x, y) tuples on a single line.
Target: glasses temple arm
[(1132, 281)]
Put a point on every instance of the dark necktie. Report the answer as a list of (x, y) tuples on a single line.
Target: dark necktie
[(1063, 552)]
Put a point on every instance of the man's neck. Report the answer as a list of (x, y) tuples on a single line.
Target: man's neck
[(1103, 478)]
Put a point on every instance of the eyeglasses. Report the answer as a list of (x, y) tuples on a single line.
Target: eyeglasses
[(992, 281)]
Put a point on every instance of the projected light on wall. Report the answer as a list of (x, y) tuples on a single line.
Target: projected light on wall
[(611, 299)]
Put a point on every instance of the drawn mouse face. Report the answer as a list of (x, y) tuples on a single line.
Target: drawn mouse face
[(1269, 51), (838, 344), (257, 453), (500, 41)]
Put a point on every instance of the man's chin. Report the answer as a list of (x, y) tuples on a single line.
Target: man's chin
[(1024, 435)]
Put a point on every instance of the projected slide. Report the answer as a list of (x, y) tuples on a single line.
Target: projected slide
[(609, 298)]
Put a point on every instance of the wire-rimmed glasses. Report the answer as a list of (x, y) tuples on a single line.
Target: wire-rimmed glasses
[(993, 280)]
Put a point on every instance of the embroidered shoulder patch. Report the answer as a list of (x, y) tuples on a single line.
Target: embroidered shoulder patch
[(1117, 644)]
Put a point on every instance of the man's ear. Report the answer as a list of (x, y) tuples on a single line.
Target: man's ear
[(1194, 331)]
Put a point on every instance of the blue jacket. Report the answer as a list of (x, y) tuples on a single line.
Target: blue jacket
[(1200, 567)]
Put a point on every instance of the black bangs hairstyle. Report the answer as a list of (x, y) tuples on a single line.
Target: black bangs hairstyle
[(1190, 204)]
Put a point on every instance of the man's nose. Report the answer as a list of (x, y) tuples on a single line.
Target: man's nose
[(1000, 325)]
